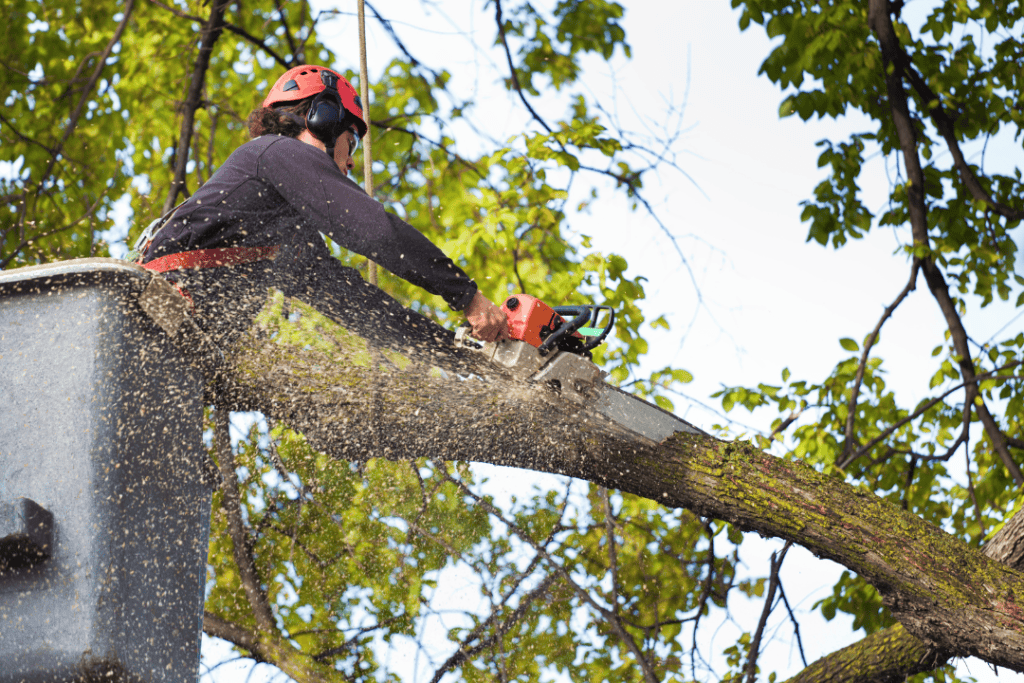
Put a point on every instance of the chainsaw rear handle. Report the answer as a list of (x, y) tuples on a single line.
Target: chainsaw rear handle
[(581, 315), (595, 313)]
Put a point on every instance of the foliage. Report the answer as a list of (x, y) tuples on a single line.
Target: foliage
[(958, 65), (348, 557), (581, 581)]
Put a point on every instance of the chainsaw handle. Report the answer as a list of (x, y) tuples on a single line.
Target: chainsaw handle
[(582, 316), (591, 312)]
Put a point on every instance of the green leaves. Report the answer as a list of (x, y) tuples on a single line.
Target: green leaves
[(849, 344), (837, 212)]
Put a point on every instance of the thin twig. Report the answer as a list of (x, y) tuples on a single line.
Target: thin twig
[(796, 625), (512, 67), (917, 413), (851, 411), (773, 584)]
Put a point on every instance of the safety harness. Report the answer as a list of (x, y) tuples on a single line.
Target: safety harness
[(211, 258), (197, 258)]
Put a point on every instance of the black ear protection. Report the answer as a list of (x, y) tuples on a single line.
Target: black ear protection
[(326, 112)]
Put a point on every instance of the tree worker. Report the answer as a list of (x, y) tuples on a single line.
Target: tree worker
[(257, 222), (305, 340)]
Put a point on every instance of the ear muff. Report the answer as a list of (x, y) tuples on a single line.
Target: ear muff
[(326, 112)]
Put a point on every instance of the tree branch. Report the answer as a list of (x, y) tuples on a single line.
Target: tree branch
[(237, 30), (287, 32), (773, 585), (512, 68), (583, 594), (211, 32), (892, 655), (945, 125), (76, 114), (878, 19), (463, 654), (399, 44), (796, 624), (940, 588), (236, 635), (924, 408), (247, 571), (851, 412)]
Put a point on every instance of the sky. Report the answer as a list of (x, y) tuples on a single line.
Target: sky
[(767, 298)]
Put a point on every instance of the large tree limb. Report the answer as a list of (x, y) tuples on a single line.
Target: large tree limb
[(300, 367), (893, 654)]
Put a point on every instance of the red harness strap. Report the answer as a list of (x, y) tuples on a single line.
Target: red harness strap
[(211, 258), (208, 258)]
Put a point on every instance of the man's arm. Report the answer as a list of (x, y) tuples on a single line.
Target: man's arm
[(310, 181)]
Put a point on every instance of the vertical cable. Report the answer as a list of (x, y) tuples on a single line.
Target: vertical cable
[(364, 95)]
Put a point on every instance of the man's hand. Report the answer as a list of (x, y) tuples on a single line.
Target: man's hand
[(487, 320)]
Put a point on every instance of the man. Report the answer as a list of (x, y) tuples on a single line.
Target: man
[(264, 209), (305, 340)]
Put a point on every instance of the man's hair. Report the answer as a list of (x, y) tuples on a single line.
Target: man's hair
[(280, 120)]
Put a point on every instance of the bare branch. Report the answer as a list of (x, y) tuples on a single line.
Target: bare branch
[(262, 44), (512, 67), (851, 411), (773, 585), (796, 624), (232, 502), (229, 26), (399, 44)]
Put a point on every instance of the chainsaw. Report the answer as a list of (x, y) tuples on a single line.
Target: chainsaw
[(550, 346)]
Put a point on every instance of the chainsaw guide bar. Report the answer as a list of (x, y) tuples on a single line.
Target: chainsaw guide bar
[(567, 376)]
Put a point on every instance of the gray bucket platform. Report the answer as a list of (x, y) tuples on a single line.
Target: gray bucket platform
[(105, 483)]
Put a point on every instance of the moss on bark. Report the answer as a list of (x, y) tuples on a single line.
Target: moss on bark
[(442, 405)]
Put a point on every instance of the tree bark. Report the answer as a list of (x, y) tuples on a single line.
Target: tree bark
[(354, 401), (893, 654)]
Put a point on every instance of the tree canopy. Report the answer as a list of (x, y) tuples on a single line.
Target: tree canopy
[(318, 566)]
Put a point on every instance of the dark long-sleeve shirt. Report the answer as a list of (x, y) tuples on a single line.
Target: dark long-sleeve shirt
[(278, 190)]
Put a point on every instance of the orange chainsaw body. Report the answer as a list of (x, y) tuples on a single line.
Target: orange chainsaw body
[(530, 319)]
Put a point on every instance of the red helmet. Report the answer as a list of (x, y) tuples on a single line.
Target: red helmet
[(325, 113)]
